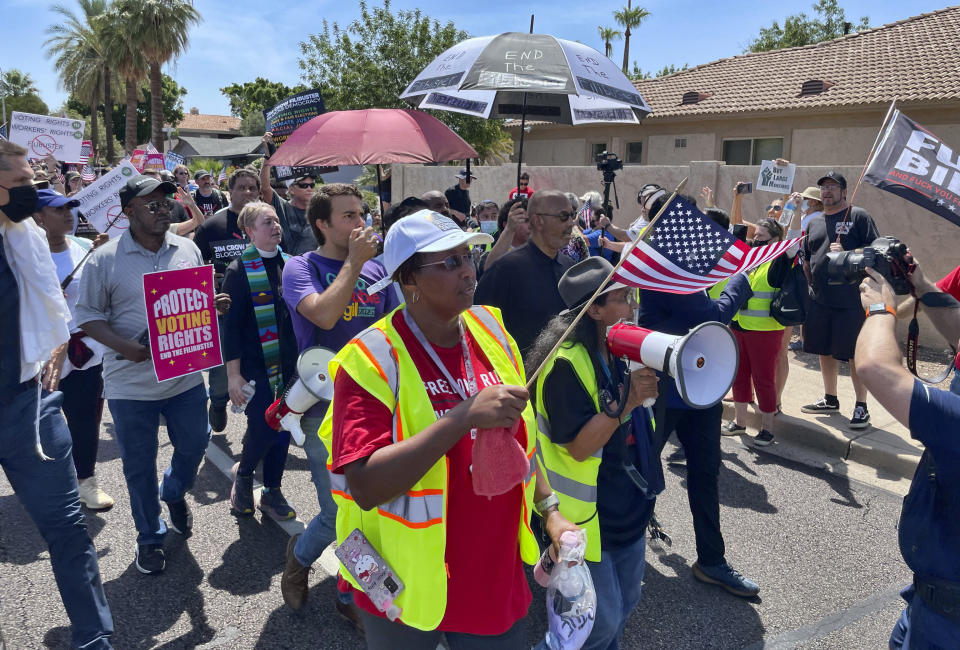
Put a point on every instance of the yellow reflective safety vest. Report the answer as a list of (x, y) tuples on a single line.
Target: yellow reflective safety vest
[(755, 315), (410, 531), (715, 291)]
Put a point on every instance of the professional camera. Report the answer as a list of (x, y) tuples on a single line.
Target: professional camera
[(887, 255), (608, 162)]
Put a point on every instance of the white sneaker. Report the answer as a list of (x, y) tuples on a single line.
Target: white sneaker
[(92, 496)]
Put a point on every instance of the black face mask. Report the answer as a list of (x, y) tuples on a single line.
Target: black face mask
[(755, 243), (21, 204)]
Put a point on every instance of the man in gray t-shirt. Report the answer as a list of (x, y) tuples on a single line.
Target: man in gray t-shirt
[(298, 235), (111, 310)]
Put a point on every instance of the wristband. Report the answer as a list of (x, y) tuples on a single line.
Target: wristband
[(546, 503), (880, 308)]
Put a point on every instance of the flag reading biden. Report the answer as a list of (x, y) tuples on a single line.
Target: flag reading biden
[(916, 165), (684, 252), (182, 320)]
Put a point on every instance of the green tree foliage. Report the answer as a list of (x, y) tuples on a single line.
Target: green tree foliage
[(257, 95), (636, 73), (25, 104), (629, 17), (829, 22), (368, 63), (171, 101), (608, 34), (16, 83), (253, 124)]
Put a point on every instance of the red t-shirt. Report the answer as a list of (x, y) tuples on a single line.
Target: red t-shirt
[(950, 283), (526, 192), (487, 591)]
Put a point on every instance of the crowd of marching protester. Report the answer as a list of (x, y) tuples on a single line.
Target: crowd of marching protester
[(430, 449)]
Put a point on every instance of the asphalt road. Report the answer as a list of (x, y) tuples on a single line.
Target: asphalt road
[(822, 546)]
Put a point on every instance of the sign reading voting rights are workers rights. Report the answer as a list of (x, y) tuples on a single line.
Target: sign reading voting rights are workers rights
[(43, 135), (182, 321)]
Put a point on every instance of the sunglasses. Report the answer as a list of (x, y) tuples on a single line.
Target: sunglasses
[(775, 208), (304, 186), (563, 216), (165, 205), (452, 262)]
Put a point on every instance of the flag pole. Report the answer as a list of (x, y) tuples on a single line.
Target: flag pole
[(67, 280), (866, 164), (583, 310)]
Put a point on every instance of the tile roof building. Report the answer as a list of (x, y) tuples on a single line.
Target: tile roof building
[(196, 123), (817, 104)]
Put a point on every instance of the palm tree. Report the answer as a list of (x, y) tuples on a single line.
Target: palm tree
[(159, 28), (123, 49), (75, 44), (16, 83), (608, 34), (629, 18)]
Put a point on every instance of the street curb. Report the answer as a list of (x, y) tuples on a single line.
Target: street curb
[(847, 445)]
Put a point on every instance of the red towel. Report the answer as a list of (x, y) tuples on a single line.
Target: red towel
[(499, 462)]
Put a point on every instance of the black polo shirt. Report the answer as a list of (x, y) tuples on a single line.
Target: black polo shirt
[(523, 284)]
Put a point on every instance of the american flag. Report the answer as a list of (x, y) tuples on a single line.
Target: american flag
[(223, 175), (3, 131), (85, 147), (88, 174), (685, 252), (586, 215)]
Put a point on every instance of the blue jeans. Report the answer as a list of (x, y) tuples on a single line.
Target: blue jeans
[(322, 529), (219, 393), (617, 581), (48, 491), (137, 425), (919, 627), (955, 382)]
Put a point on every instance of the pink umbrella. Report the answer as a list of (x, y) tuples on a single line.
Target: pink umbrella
[(372, 136)]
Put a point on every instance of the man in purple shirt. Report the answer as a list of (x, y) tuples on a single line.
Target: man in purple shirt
[(326, 292)]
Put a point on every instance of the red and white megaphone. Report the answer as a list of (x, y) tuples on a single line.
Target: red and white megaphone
[(313, 384), (703, 362)]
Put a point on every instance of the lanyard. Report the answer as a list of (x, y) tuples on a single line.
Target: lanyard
[(467, 361)]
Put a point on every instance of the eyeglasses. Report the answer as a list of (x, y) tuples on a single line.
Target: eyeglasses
[(452, 262), (165, 205), (831, 187), (563, 216), (775, 208), (304, 186), (182, 174)]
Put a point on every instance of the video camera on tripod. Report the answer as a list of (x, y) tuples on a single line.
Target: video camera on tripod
[(609, 163)]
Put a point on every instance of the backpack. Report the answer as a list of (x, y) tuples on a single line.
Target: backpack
[(792, 301)]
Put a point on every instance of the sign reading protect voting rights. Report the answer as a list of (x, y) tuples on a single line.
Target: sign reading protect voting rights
[(182, 321), (43, 135)]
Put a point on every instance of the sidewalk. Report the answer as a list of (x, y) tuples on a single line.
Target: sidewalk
[(885, 445)]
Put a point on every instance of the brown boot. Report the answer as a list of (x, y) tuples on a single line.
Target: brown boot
[(293, 582)]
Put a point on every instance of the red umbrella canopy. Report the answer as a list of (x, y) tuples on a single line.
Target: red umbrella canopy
[(372, 136)]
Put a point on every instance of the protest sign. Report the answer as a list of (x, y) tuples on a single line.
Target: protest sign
[(153, 162), (181, 321), (776, 178), (286, 173), (99, 201), (42, 136), (916, 165), (285, 116), (171, 160), (138, 158)]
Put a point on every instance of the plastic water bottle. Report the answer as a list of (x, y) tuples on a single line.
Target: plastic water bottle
[(786, 215), (248, 390)]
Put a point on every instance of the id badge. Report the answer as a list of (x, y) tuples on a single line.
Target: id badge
[(377, 579)]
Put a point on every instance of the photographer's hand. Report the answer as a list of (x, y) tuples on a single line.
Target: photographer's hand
[(875, 289), (920, 281)]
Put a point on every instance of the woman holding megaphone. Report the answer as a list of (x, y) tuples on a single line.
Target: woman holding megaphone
[(594, 435)]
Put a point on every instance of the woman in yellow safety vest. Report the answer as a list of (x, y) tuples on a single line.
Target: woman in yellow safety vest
[(759, 337), (593, 453), (412, 394)]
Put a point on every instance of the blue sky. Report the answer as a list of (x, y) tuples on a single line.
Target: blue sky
[(240, 40)]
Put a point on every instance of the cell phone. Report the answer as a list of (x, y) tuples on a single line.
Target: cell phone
[(745, 188), (377, 578)]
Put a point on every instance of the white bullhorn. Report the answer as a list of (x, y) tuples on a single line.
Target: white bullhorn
[(314, 383), (703, 362)]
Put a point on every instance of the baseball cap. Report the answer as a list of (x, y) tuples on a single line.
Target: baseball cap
[(422, 232), (834, 176), (463, 174), (201, 173), (579, 282), (141, 186), (811, 192), (54, 199)]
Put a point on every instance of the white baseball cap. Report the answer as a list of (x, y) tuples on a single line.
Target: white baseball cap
[(425, 231)]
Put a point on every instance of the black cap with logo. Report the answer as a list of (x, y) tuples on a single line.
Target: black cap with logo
[(141, 186)]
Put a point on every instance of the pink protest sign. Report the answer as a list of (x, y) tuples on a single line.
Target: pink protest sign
[(154, 162), (138, 158), (182, 321)]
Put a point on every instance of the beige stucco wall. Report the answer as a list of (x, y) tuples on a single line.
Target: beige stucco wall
[(934, 240), (812, 138)]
